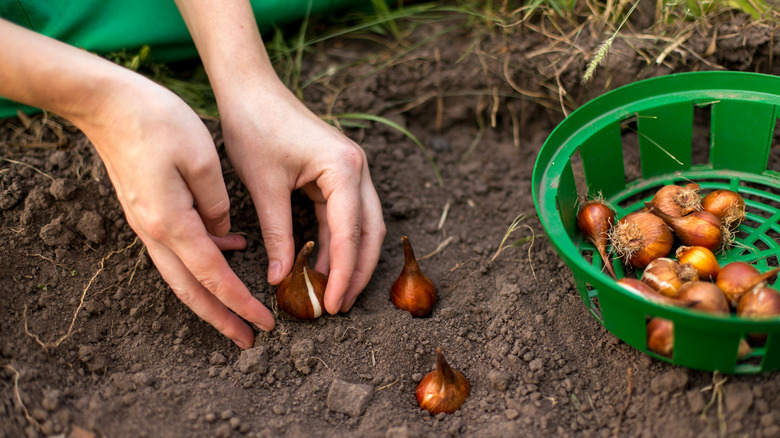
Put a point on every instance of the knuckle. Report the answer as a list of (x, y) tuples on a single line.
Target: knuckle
[(215, 210), (353, 159)]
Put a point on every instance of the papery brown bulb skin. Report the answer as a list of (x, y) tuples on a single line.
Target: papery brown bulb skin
[(413, 291), (665, 276), (677, 201), (726, 205), (442, 390), (705, 296), (642, 289), (640, 238), (701, 258), (594, 220), (301, 294), (660, 336), (699, 228), (760, 302), (737, 278)]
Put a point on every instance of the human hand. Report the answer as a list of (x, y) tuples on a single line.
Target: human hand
[(162, 161), (276, 146)]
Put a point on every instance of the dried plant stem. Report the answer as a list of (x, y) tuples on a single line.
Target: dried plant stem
[(61, 339), (18, 397)]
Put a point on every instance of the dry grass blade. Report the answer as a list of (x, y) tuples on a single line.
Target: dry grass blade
[(512, 228)]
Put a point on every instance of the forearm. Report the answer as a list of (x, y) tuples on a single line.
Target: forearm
[(229, 43), (45, 73)]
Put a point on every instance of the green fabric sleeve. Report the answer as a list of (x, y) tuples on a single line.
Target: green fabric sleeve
[(105, 26)]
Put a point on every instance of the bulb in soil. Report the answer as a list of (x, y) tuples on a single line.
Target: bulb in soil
[(413, 291), (301, 293), (442, 390)]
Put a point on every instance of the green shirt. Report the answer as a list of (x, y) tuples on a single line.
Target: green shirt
[(105, 26)]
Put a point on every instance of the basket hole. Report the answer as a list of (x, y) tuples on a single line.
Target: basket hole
[(660, 336), (637, 200), (631, 158), (700, 144), (750, 352)]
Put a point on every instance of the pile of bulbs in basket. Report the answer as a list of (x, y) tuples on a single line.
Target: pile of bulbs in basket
[(705, 226)]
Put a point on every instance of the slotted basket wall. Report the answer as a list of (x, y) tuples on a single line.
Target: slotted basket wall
[(659, 114)]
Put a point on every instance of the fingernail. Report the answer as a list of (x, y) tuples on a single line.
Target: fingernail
[(240, 344), (263, 328), (274, 271), (338, 306)]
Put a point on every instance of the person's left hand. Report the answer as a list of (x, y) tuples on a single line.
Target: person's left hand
[(276, 146)]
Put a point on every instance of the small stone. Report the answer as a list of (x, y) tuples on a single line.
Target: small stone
[(78, 432), (536, 364), (349, 398), (511, 414), (397, 432), (253, 360), (739, 399), (51, 400), (499, 380), (217, 358), (210, 417), (91, 226), (235, 423), (695, 401), (226, 414), (301, 353), (278, 409), (672, 381), (223, 431), (62, 189)]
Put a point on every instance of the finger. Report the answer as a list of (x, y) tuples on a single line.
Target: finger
[(203, 175), (272, 202), (193, 246), (371, 238), (344, 218), (230, 242), (197, 298)]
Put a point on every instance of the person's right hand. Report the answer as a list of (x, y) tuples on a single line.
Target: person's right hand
[(167, 174)]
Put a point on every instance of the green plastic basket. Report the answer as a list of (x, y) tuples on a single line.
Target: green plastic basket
[(656, 116)]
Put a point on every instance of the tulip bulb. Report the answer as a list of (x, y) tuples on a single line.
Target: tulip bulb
[(640, 288), (726, 205), (699, 228), (737, 278), (677, 201), (442, 390), (666, 276), (413, 291), (705, 295), (660, 336), (302, 292), (640, 238), (595, 220), (759, 303), (701, 258)]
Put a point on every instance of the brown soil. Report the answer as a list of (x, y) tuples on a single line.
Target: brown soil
[(139, 363)]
